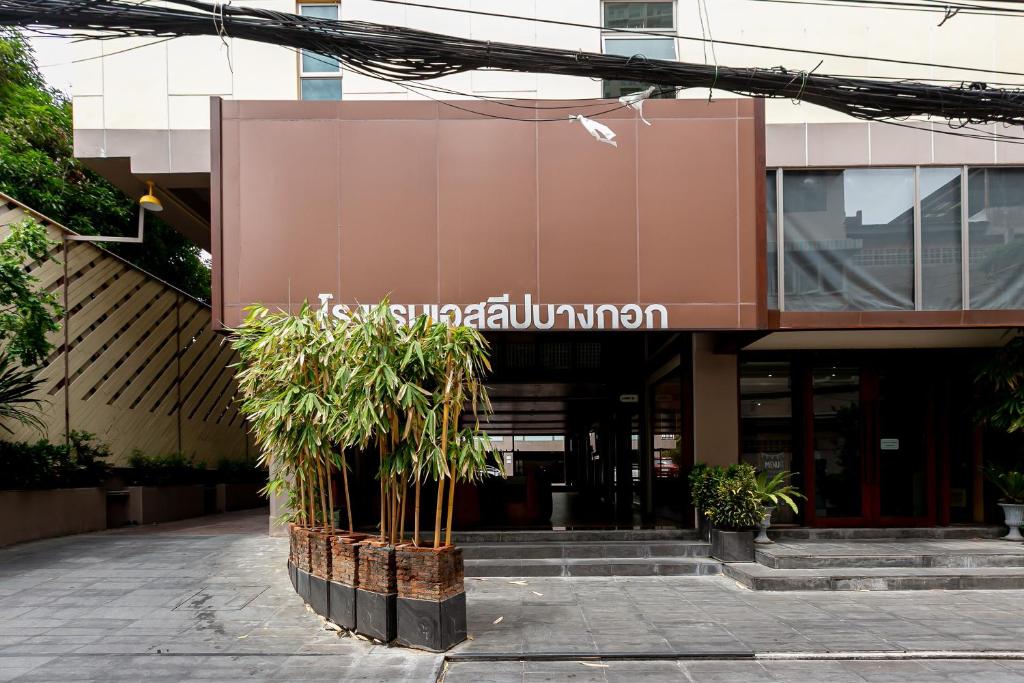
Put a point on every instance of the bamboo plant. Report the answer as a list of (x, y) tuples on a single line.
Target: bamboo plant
[(291, 380), (313, 388)]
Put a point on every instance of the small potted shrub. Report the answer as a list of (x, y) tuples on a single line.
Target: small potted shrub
[(1011, 484), (774, 490), (734, 510), (703, 480)]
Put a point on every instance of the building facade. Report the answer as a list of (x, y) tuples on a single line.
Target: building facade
[(738, 281)]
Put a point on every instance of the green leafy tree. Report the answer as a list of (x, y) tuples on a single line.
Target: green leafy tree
[(1000, 386), (27, 315), (39, 169)]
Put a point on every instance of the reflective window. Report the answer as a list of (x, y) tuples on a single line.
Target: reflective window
[(651, 15), (321, 88), (996, 234), (655, 23), (837, 443), (319, 75), (849, 239), (771, 213), (766, 421), (940, 239)]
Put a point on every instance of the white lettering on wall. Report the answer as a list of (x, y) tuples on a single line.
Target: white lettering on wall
[(497, 313)]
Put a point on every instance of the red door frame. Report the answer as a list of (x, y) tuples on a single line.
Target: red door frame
[(803, 409)]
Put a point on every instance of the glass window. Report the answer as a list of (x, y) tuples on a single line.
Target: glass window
[(766, 421), (940, 239), (996, 227), (771, 214), (653, 17), (837, 449), (649, 15), (320, 75), (321, 88), (651, 48), (849, 239)]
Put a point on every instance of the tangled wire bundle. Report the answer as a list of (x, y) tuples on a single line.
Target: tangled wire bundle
[(401, 54)]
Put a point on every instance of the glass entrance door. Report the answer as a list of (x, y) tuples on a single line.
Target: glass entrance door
[(901, 476), (868, 447)]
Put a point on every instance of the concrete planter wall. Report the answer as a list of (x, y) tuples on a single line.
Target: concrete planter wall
[(31, 515), (732, 546), (152, 504), (232, 497)]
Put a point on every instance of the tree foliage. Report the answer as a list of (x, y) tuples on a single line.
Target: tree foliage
[(39, 169), (27, 313), (1000, 387)]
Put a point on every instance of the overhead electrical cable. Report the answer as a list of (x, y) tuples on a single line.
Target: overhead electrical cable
[(648, 33), (401, 54)]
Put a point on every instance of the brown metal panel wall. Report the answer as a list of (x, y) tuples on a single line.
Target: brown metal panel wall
[(145, 369), (432, 205)]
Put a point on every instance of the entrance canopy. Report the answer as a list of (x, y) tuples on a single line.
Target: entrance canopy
[(502, 224)]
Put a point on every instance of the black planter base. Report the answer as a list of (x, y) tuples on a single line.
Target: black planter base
[(319, 596), (376, 615), (732, 546), (432, 625), (342, 605), (302, 583), (291, 575)]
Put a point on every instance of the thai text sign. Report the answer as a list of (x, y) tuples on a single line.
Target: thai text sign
[(497, 313)]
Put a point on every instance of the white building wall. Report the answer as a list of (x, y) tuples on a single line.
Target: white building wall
[(165, 85)]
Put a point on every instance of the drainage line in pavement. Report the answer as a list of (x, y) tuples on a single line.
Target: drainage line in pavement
[(734, 656)]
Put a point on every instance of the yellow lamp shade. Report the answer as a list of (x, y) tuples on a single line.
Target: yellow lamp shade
[(148, 201)]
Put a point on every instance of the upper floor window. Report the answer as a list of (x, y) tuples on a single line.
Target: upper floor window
[(875, 239), (319, 76), (651, 27)]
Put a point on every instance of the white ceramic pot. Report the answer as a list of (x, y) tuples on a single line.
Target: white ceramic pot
[(1013, 514), (766, 521)]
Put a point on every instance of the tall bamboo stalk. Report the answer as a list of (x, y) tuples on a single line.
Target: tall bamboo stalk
[(348, 501), (451, 489), (440, 474), (405, 495), (416, 512)]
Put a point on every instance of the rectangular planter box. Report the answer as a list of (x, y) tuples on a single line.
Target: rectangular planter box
[(342, 605), (320, 553), (31, 515), (732, 546), (376, 595), (344, 579), (431, 597), (239, 497), (319, 596), (152, 504), (300, 543), (302, 584)]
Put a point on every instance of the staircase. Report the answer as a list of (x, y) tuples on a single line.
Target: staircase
[(587, 553), (877, 564)]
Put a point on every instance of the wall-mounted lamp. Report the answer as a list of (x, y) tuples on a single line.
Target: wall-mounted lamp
[(147, 202)]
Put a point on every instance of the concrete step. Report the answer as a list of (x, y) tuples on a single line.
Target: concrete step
[(759, 577), (595, 566), (584, 549), (909, 558), (891, 533), (576, 535)]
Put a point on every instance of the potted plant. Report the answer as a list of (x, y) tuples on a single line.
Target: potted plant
[(773, 490), (1000, 406), (1011, 484), (734, 510), (703, 480), (290, 374)]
